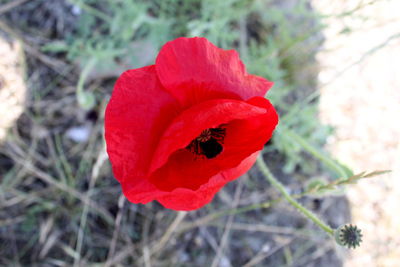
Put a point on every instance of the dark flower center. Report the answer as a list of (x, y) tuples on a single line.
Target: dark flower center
[(208, 143)]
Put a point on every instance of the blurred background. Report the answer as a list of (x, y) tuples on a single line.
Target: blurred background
[(337, 90)]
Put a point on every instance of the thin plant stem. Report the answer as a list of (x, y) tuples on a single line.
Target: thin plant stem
[(85, 73), (275, 183), (315, 152)]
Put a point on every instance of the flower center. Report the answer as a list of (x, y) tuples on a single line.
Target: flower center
[(208, 143)]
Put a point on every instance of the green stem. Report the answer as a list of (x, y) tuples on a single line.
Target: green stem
[(315, 152), (91, 63), (275, 183)]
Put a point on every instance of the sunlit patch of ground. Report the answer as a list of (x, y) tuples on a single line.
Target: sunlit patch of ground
[(12, 87), (364, 105)]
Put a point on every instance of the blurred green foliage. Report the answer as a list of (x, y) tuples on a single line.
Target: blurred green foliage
[(275, 42)]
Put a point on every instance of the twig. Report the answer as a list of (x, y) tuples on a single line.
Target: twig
[(158, 247), (146, 256), (213, 216), (145, 240), (263, 228), (208, 237), (63, 187), (11, 221), (171, 229), (118, 219), (363, 57), (95, 173), (263, 255), (12, 4), (243, 38), (121, 255), (225, 235)]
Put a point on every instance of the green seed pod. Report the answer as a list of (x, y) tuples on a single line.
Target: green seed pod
[(348, 235)]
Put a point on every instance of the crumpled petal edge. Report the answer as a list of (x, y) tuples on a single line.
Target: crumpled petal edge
[(186, 199)]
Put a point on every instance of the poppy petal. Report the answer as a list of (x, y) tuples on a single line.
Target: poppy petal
[(248, 128), (186, 199), (194, 70), (132, 137)]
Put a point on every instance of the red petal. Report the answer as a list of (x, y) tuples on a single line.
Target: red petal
[(194, 70), (138, 112), (186, 199), (248, 127)]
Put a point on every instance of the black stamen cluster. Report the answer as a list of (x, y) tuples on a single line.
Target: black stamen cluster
[(209, 143)]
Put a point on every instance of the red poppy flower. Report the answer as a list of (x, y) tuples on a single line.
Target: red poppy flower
[(179, 130)]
